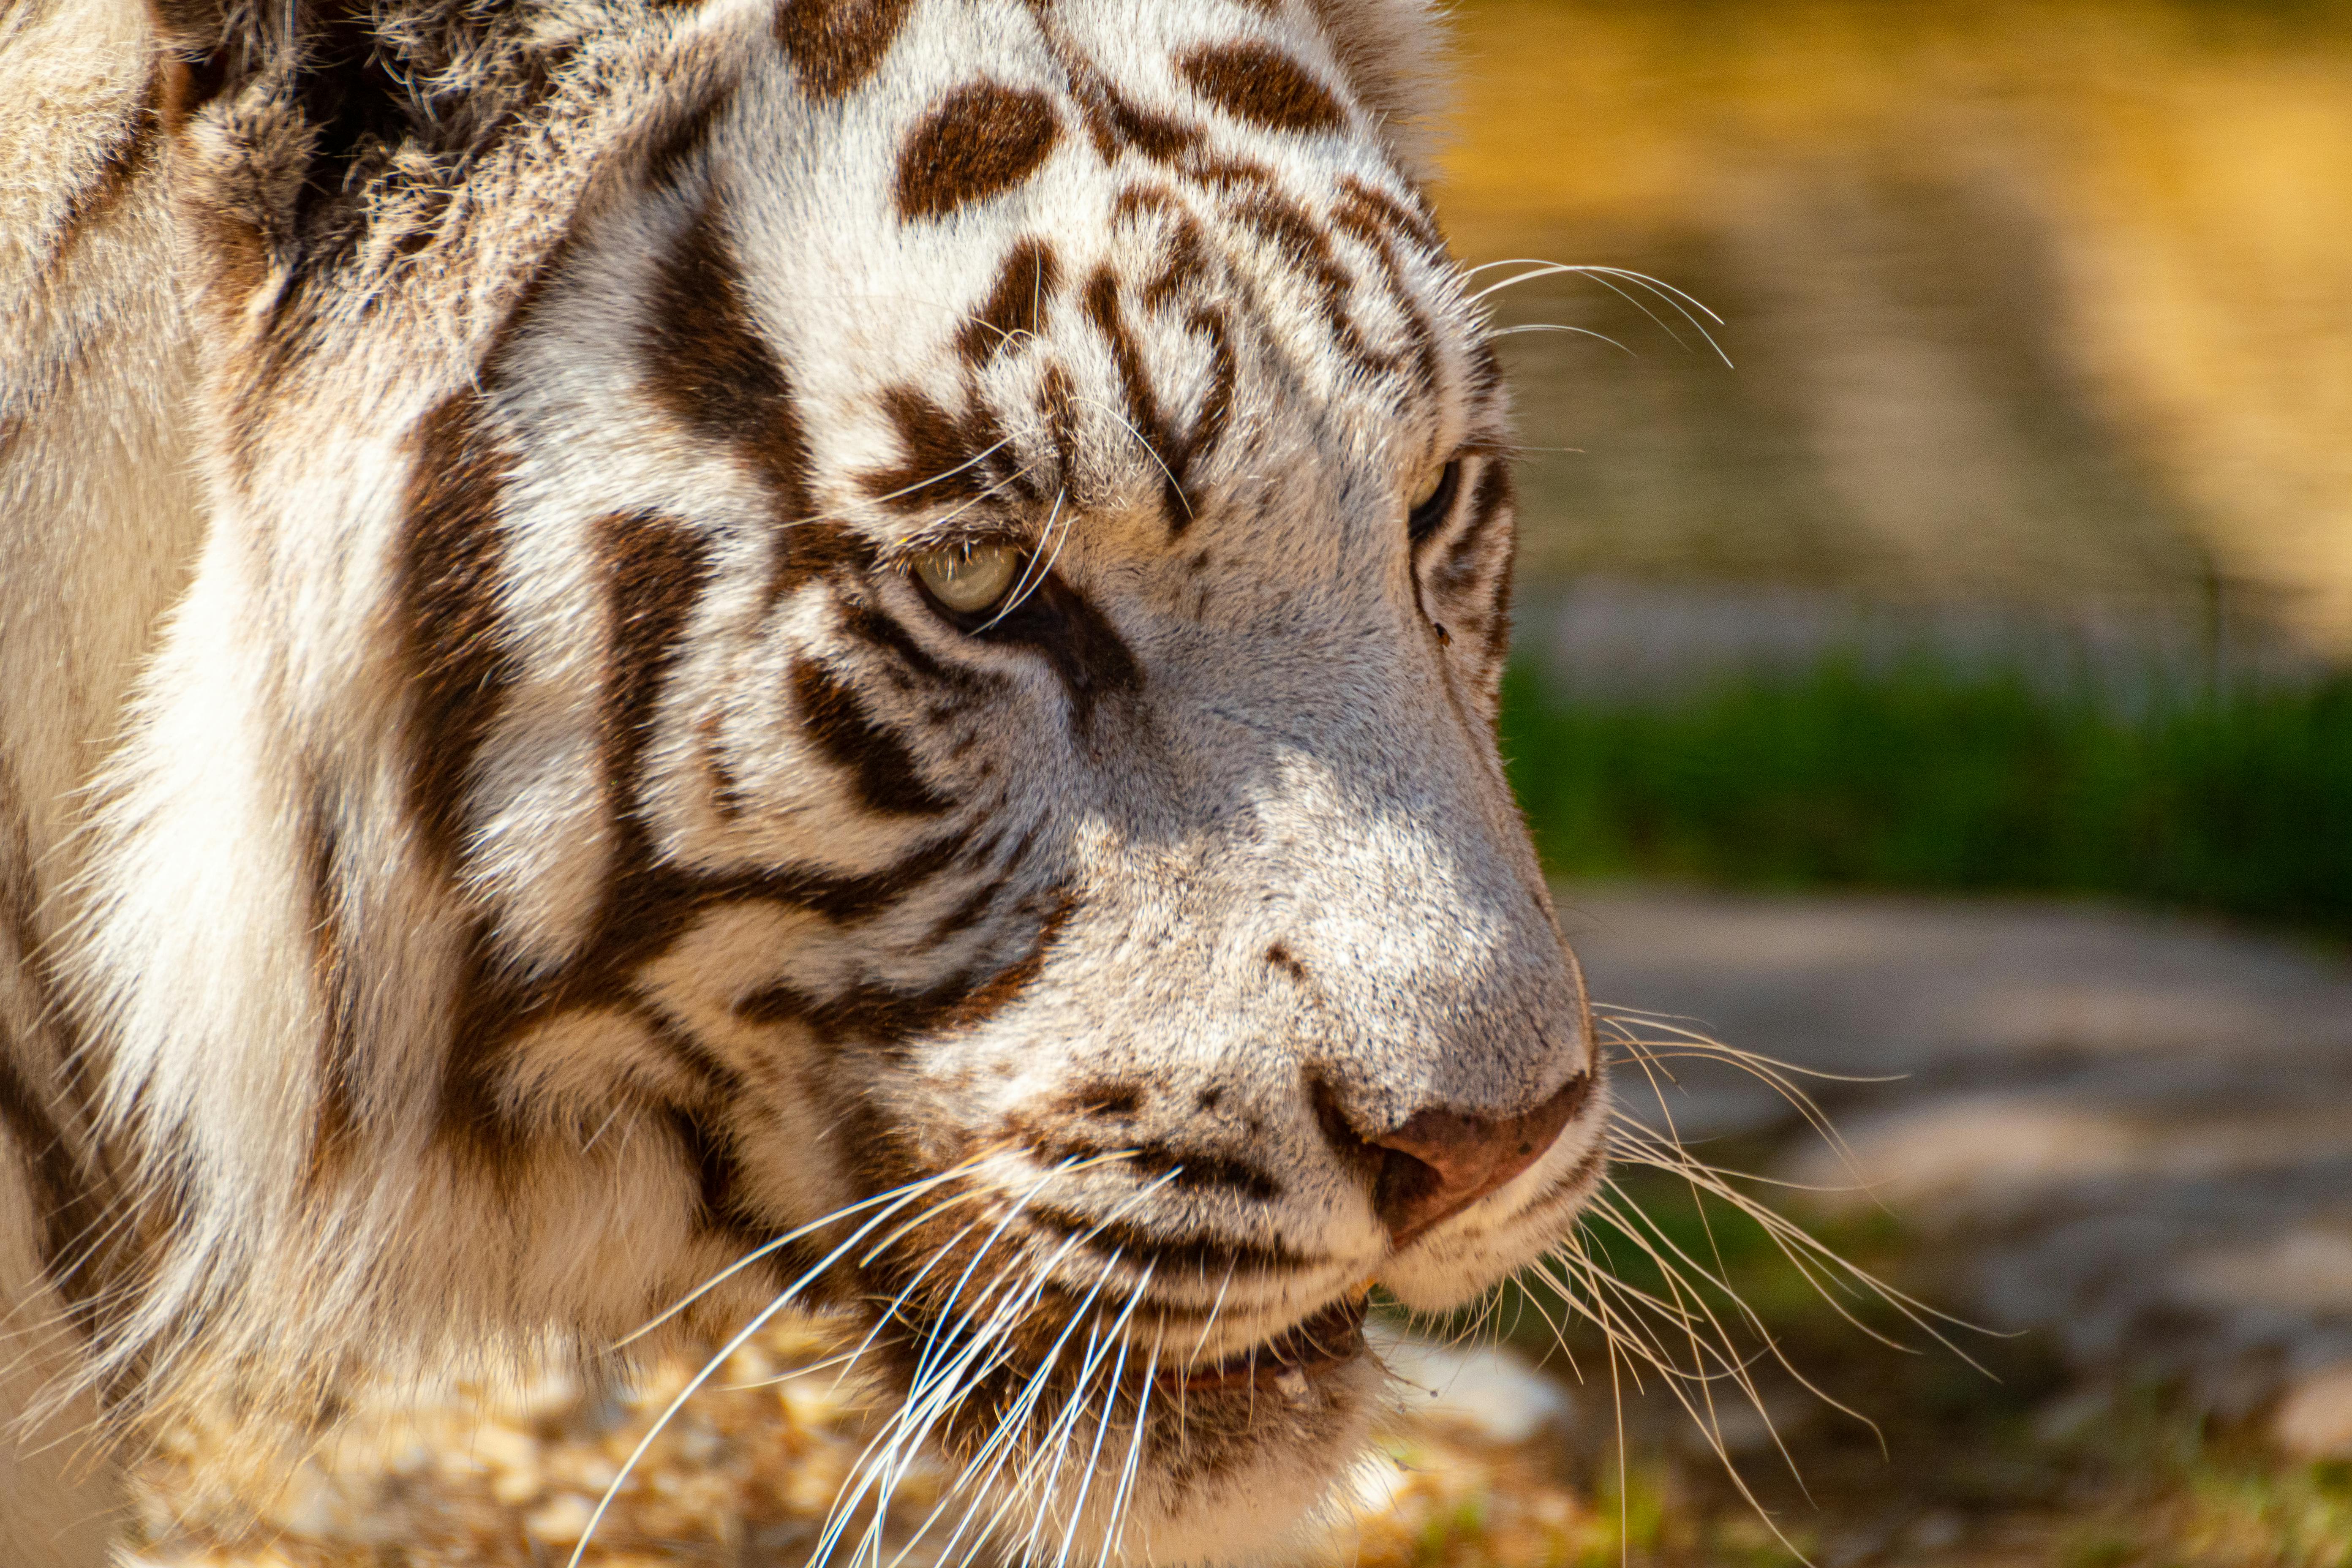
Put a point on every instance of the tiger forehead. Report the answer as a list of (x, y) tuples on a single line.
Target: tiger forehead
[(1112, 259), (987, 278)]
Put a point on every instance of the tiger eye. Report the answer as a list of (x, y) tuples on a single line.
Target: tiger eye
[(1432, 501), (968, 578), (1427, 487)]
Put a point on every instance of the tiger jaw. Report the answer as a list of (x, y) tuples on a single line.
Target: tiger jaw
[(1216, 1401)]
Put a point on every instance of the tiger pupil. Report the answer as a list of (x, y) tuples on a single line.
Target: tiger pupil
[(968, 578)]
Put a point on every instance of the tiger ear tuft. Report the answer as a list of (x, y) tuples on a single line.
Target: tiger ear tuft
[(1398, 57)]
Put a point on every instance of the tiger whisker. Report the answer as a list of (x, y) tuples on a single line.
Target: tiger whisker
[(1540, 267), (973, 461), (1683, 302), (939, 1253), (892, 1452), (1102, 1423), (1016, 1419), (917, 1421), (890, 1310), (1175, 487), (1555, 327), (1048, 1473), (1817, 1262), (759, 1320), (840, 1358), (1033, 574), (939, 1345), (1779, 1076), (903, 1193), (1132, 1468), (1675, 1385)]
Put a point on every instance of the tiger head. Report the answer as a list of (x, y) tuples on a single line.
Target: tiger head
[(848, 654)]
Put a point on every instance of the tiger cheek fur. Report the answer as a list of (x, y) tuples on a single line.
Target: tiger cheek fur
[(565, 860)]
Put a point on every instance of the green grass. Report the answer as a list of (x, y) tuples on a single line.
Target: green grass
[(1921, 775)]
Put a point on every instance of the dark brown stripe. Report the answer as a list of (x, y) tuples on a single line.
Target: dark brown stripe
[(1410, 224), (706, 363), (882, 632), (983, 140), (1187, 264), (1196, 1252), (1303, 245), (726, 791), (889, 1018), (446, 584), (335, 1139), (672, 153), (708, 1147), (1142, 401), (716, 1079), (1060, 623), (656, 569), (835, 45), (1263, 85), (1018, 306), (1485, 370), (846, 900), (120, 167), (1356, 216), (1115, 123), (810, 553), (657, 904), (884, 773), (1177, 450), (1194, 1170), (1489, 500), (947, 458), (1232, 176), (1059, 396), (1217, 404)]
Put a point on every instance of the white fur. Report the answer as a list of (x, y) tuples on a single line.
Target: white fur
[(238, 917)]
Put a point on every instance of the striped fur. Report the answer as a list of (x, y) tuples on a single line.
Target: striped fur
[(495, 835)]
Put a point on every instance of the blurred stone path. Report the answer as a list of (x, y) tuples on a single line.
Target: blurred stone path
[(2138, 1127)]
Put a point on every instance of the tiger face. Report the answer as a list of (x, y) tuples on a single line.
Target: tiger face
[(864, 637)]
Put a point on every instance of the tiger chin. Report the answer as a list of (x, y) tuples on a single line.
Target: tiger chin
[(665, 661)]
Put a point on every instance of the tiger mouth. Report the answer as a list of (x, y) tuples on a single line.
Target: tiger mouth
[(1330, 1338)]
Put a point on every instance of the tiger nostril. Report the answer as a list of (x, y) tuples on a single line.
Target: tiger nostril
[(1438, 1162)]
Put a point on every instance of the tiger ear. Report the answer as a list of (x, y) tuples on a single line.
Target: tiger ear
[(338, 59), (290, 105), (1398, 57)]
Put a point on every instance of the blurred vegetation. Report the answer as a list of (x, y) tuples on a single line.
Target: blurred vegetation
[(1918, 774), (2036, 301)]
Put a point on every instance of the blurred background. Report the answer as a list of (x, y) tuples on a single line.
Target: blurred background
[(2042, 322), (1933, 627)]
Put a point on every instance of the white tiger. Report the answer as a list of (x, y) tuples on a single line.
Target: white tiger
[(842, 648)]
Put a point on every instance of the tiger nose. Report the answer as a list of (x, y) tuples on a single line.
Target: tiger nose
[(1438, 1161)]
